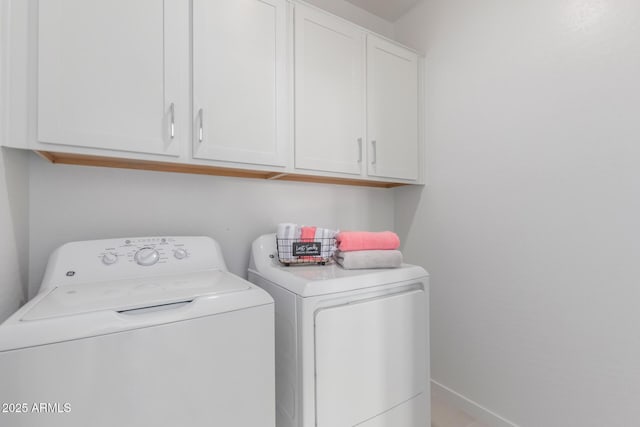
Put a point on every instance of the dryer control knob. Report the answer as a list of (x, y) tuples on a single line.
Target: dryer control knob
[(147, 256), (180, 253), (109, 258)]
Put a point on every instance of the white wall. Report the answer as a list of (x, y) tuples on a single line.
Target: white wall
[(530, 226), (70, 203)]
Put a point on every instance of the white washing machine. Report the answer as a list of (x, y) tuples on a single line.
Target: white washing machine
[(139, 332), (351, 345)]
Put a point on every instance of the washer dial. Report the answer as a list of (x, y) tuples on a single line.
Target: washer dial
[(109, 258), (180, 253), (147, 256)]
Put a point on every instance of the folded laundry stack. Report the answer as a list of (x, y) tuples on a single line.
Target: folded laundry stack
[(366, 249)]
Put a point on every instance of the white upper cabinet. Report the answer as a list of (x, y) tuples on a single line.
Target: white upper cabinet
[(269, 85), (354, 105), (392, 111), (329, 93), (110, 74), (240, 81)]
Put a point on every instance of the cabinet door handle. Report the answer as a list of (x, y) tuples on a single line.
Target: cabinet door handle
[(375, 152), (201, 126), (359, 150), (172, 127)]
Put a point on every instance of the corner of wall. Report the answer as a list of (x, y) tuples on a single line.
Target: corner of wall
[(4, 49), (14, 191), (14, 229)]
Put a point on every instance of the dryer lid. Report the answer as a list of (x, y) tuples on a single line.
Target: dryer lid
[(131, 294)]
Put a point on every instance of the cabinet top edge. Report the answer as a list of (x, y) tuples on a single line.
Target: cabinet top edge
[(367, 31)]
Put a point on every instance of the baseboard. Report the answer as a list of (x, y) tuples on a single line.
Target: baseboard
[(472, 408)]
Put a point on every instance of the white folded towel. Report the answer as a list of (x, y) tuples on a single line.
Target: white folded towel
[(353, 260), (287, 233), (325, 236), (288, 230)]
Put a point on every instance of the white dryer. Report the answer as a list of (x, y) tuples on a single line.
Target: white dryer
[(139, 332), (351, 345)]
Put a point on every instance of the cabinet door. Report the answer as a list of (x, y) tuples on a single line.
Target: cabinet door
[(329, 87), (392, 106), (108, 74), (239, 86)]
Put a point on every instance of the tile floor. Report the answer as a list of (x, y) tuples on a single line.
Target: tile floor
[(443, 415)]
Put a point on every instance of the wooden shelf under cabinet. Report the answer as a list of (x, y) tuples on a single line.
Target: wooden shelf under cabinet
[(114, 162)]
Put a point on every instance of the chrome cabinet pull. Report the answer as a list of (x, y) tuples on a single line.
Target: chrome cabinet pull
[(359, 150), (375, 152), (201, 127), (172, 113)]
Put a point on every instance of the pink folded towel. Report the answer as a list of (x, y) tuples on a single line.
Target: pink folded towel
[(308, 234), (367, 240)]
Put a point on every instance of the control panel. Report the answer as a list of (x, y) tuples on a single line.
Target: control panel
[(145, 252), (126, 258)]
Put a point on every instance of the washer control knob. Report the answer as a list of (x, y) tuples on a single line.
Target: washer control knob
[(180, 253), (147, 256), (109, 258)]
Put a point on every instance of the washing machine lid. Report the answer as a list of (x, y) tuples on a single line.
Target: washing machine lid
[(73, 312), (133, 294)]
